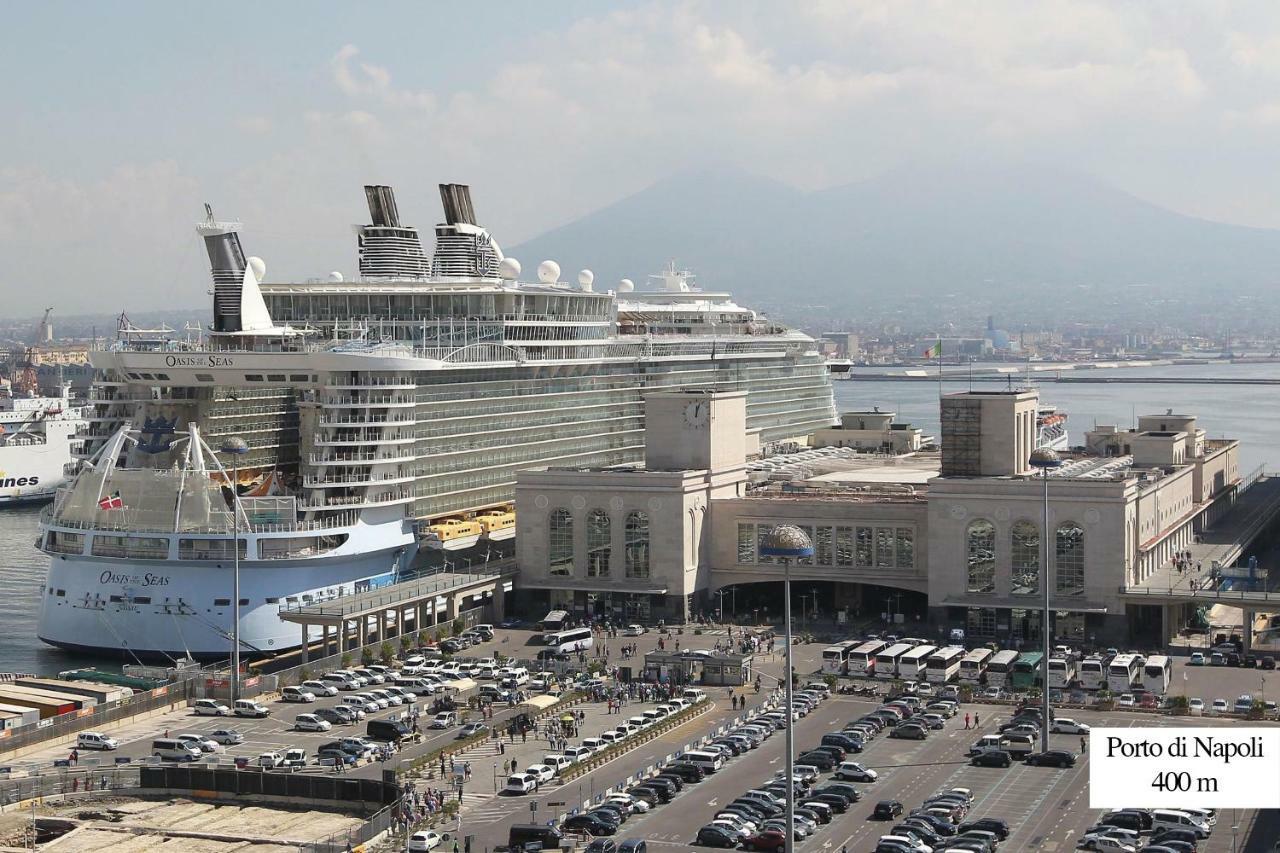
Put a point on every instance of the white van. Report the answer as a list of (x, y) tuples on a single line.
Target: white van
[(710, 762), (1018, 745), (557, 761), (693, 695), (95, 740), (341, 680), (170, 749), (1172, 819), (518, 673), (250, 708), (210, 707), (595, 744), (297, 694)]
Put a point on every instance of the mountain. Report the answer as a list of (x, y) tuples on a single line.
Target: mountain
[(982, 233)]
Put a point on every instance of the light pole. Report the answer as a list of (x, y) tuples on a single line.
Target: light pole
[(235, 447), (786, 542), (1045, 459)]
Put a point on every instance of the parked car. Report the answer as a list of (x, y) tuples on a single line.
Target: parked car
[(210, 707), (226, 737), (1052, 758), (886, 810), (424, 840), (444, 720), (297, 694), (1065, 726), (311, 723), (991, 758), (270, 759)]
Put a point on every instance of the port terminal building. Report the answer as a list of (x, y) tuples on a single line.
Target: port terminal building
[(931, 540)]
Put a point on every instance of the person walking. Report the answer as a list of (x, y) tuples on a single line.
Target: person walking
[(966, 721), (976, 723), (1084, 744)]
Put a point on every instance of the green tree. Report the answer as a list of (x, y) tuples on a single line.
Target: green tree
[(424, 637), (459, 625), (366, 656), (406, 643), (346, 659), (440, 635), (387, 652)]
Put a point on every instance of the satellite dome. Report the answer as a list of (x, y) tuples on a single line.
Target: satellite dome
[(258, 266), (335, 276), (626, 286), (585, 278), (548, 272), (509, 269)]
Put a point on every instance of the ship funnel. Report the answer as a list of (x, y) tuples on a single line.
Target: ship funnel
[(226, 265), (463, 248), (386, 248)]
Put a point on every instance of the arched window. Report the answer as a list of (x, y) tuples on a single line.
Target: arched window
[(637, 545), (980, 546), (599, 543), (1069, 559), (1025, 558), (560, 542)]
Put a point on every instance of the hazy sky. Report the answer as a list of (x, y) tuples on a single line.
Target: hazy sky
[(121, 119)]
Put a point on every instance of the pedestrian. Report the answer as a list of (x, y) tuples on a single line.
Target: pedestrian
[(1084, 744), (976, 723), (966, 721)]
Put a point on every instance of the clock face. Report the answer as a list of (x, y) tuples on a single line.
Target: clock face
[(697, 414)]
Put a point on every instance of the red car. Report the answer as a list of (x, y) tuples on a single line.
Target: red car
[(771, 840)]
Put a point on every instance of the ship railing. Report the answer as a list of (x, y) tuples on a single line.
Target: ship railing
[(357, 458), (371, 419), (358, 500), (343, 519), (367, 400), (359, 479)]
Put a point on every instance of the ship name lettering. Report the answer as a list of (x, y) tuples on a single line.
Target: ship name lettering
[(147, 579), (199, 361)]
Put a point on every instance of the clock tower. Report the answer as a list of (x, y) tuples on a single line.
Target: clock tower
[(695, 430)]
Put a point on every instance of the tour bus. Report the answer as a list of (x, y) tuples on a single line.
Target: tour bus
[(1000, 668), (834, 657), (887, 660), (974, 666), (1093, 672), (1027, 670), (1123, 673), (573, 640), (912, 665), (862, 660), (944, 664), (1156, 673), (1062, 671), (553, 621)]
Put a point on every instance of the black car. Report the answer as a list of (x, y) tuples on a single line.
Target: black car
[(673, 778), (734, 749), (589, 823), (602, 845), (649, 795), (715, 836), (814, 815), (844, 741), (834, 751), (686, 771), (991, 758), (821, 760), (918, 828), (1179, 846), (1174, 834), (1267, 662), (1052, 758), (844, 789), (663, 793), (988, 824), (940, 826), (768, 810), (886, 810), (837, 802)]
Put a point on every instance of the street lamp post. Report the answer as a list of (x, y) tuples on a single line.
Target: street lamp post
[(1045, 459), (235, 447), (785, 543)]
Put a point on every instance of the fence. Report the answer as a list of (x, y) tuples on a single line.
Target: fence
[(83, 779), (91, 718)]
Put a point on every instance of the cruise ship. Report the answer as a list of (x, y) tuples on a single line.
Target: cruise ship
[(37, 442), (406, 399)]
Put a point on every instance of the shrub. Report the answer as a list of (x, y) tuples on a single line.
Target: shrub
[(406, 643), (346, 659), (304, 674), (440, 635), (459, 625), (424, 637), (387, 652), (366, 656)]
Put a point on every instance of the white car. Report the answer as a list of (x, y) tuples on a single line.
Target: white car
[(578, 753), (211, 707), (297, 694), (270, 759), (1220, 706), (544, 772), (311, 723), (633, 631), (444, 720), (1195, 706), (381, 701), (201, 742), (426, 840), (319, 688), (1064, 726), (635, 804), (1127, 700), (521, 783), (226, 737)]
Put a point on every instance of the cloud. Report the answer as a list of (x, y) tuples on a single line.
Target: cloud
[(364, 79)]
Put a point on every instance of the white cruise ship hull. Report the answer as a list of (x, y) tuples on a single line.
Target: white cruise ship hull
[(171, 608), (31, 473)]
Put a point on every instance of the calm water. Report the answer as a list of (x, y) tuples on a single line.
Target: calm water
[(1249, 413)]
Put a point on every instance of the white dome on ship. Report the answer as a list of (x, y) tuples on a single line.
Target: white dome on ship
[(548, 272), (509, 269), (585, 279), (259, 267), (335, 276), (626, 286)]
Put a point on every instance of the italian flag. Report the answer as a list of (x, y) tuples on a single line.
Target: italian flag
[(934, 351)]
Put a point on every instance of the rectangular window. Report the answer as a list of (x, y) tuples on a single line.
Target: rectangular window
[(222, 602), (884, 547), (844, 546), (273, 600), (906, 556), (299, 377), (981, 622), (204, 377), (762, 533), (208, 549), (822, 547), (746, 544), (865, 549), (142, 599), (116, 599), (275, 377), (253, 377)]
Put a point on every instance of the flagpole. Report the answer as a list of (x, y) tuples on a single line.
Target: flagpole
[(940, 373)]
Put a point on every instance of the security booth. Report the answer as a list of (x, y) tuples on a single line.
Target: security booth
[(672, 668), (727, 670)]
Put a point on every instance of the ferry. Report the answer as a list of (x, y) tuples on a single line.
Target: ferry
[(37, 442)]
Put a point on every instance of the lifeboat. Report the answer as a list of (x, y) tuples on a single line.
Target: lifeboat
[(498, 524), (452, 534)]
